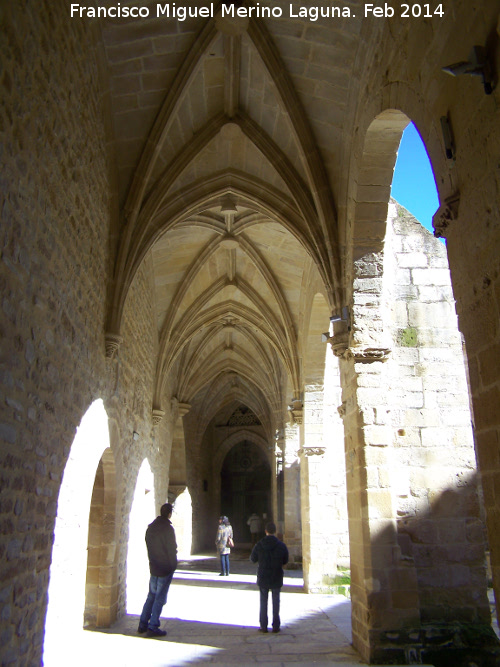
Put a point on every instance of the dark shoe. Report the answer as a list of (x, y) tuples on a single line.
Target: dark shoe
[(262, 629), (142, 629), (276, 629), (156, 633), (221, 574)]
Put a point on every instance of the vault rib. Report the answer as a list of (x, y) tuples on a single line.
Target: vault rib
[(200, 195), (190, 325), (162, 124), (217, 398), (232, 57), (194, 365), (318, 182)]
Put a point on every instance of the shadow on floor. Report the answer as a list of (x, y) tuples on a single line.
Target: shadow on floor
[(215, 620)]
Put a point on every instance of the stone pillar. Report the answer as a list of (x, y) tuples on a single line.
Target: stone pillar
[(322, 471), (384, 589), (318, 565), (178, 493), (177, 468), (292, 534)]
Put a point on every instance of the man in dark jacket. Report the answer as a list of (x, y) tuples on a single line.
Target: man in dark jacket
[(162, 554), (271, 554)]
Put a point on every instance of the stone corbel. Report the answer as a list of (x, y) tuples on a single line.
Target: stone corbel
[(296, 410), (445, 215), (339, 344), (157, 416), (183, 409), (112, 343), (342, 409), (312, 451), (179, 409), (368, 354)]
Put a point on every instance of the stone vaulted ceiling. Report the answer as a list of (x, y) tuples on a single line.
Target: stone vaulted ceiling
[(228, 138)]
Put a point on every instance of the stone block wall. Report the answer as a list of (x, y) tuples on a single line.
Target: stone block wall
[(55, 254), (436, 489), (416, 537), (54, 251)]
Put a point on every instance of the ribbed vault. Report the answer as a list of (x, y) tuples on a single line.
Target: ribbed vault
[(225, 187)]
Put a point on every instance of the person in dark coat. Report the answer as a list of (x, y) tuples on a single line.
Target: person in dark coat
[(162, 554), (271, 554)]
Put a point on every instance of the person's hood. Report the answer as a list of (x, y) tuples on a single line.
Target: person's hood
[(269, 542)]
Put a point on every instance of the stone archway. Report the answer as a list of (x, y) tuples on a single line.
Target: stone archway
[(89, 453)]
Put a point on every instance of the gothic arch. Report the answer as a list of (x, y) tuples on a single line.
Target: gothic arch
[(90, 452), (101, 592), (142, 512)]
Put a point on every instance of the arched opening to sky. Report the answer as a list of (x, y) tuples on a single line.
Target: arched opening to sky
[(413, 185)]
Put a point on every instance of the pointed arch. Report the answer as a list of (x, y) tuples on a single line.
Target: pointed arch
[(90, 452)]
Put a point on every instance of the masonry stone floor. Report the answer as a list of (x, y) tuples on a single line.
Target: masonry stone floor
[(214, 620)]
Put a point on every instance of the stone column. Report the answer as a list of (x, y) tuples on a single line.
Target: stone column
[(178, 493), (384, 588), (177, 468), (322, 472), (291, 469)]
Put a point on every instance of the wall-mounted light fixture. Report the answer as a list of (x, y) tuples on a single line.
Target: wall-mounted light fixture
[(343, 316), (476, 65), (340, 323), (449, 142)]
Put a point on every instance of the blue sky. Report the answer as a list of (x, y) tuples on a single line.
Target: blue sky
[(413, 184)]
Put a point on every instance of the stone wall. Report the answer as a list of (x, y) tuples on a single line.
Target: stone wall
[(55, 253), (128, 401), (53, 292), (437, 503), (417, 540)]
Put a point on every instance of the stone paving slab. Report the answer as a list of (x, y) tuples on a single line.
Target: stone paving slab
[(214, 620)]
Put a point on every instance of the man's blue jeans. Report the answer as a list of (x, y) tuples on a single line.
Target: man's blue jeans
[(157, 596), (264, 593)]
